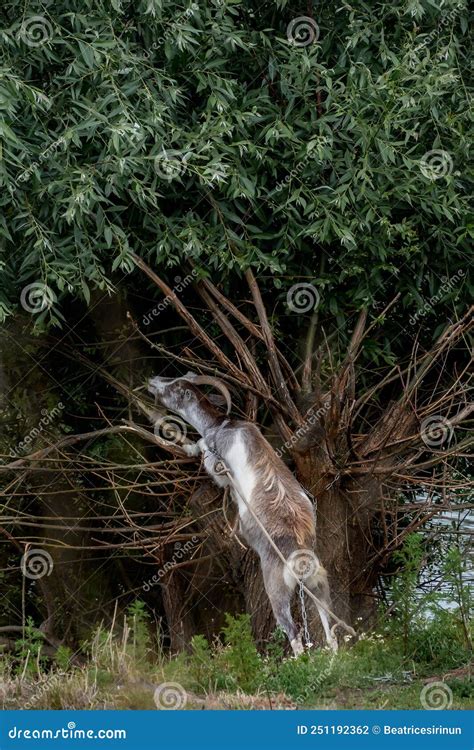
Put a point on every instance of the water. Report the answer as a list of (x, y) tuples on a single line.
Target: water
[(451, 526)]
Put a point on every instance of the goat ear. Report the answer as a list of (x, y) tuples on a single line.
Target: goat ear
[(216, 399), (189, 375)]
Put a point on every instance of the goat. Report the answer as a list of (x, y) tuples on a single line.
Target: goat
[(261, 480)]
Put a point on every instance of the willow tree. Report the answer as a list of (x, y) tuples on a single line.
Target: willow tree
[(307, 168)]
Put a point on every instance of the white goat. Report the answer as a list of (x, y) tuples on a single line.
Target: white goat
[(259, 480)]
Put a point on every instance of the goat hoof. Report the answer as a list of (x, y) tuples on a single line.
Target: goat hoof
[(297, 647)]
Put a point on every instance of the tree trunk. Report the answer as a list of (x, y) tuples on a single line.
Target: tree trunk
[(60, 598), (344, 514), (179, 613)]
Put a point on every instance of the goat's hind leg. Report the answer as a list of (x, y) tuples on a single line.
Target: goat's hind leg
[(318, 585), (280, 594)]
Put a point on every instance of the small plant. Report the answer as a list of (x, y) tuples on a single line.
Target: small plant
[(130, 652), (201, 664), (275, 650), (232, 666), (241, 655), (432, 627), (29, 649), (62, 657), (462, 688), (406, 605), (138, 620), (454, 569)]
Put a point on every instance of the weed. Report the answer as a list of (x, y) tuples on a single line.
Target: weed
[(140, 647), (200, 664), (431, 633), (241, 656), (29, 649), (62, 657), (387, 667)]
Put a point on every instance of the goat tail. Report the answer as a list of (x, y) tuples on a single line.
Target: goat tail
[(304, 566), (319, 581)]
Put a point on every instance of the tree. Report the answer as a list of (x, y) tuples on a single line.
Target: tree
[(264, 152)]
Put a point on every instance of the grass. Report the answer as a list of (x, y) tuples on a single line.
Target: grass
[(122, 671)]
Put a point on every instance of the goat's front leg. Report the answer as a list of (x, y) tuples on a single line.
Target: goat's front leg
[(194, 449)]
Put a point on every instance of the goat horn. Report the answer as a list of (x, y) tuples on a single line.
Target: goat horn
[(216, 383)]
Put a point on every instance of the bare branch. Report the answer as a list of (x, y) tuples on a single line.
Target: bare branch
[(277, 374)]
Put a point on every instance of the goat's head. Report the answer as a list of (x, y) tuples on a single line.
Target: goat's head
[(182, 396)]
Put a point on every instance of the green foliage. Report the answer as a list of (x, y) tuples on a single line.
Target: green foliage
[(372, 673), (29, 647), (236, 665), (138, 620), (410, 558), (275, 648), (200, 664), (462, 688), (430, 630), (200, 130), (437, 641), (241, 656), (454, 571), (302, 679), (125, 654), (62, 657), (378, 658)]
